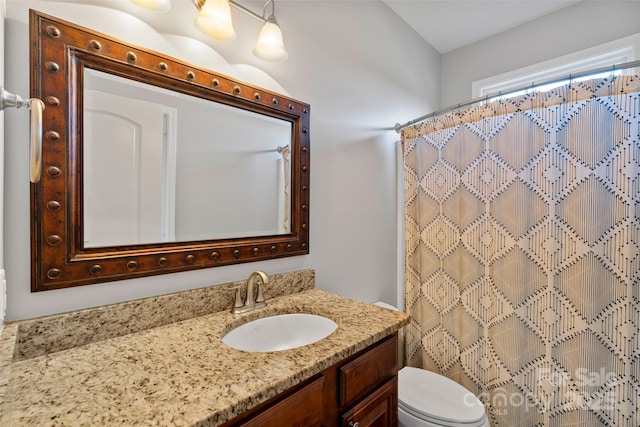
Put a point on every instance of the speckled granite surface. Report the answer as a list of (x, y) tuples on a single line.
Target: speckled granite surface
[(178, 374), (62, 331)]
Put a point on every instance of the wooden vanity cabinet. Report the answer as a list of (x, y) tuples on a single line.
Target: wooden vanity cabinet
[(368, 385), (360, 391), (303, 407)]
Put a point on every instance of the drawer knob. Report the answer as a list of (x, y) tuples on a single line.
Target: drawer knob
[(352, 424)]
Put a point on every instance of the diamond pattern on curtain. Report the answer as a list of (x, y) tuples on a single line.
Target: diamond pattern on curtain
[(523, 253)]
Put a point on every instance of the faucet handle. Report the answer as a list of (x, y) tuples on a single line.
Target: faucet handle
[(260, 297), (238, 303)]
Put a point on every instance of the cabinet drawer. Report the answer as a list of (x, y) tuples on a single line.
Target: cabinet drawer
[(379, 409), (304, 408), (368, 371)]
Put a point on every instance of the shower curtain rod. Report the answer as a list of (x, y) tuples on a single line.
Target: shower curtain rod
[(631, 64)]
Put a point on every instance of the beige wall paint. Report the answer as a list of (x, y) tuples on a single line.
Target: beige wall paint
[(3, 284), (361, 73)]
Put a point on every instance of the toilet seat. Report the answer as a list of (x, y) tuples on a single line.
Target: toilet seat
[(436, 399)]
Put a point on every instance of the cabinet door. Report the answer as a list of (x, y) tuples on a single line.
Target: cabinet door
[(304, 408), (365, 373), (379, 409)]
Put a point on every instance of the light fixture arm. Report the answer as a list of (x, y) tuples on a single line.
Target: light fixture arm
[(273, 9), (247, 11), (199, 3)]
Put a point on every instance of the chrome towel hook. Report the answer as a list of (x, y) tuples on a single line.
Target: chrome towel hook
[(35, 130)]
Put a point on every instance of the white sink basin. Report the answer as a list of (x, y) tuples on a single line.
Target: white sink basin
[(280, 332)]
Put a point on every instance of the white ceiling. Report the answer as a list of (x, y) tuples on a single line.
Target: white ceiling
[(450, 24)]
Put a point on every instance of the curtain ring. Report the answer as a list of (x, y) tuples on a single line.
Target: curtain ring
[(612, 81), (569, 87), (533, 94)]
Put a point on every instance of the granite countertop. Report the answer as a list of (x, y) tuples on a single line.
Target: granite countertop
[(178, 374)]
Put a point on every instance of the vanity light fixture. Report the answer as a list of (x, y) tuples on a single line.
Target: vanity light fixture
[(153, 5), (270, 45), (214, 20)]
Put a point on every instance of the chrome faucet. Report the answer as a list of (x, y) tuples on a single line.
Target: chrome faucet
[(252, 301)]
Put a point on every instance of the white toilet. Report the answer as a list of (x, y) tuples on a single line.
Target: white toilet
[(427, 399)]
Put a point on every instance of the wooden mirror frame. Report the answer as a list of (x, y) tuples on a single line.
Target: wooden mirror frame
[(59, 51)]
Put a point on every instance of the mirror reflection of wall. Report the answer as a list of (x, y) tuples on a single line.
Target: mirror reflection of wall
[(163, 166)]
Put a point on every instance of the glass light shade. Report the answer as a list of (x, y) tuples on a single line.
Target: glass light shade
[(214, 19), (153, 5), (270, 45)]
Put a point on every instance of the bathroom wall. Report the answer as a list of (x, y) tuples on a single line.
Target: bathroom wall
[(3, 296), (577, 27), (360, 68)]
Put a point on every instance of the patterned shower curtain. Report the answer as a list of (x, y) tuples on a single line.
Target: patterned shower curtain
[(523, 253)]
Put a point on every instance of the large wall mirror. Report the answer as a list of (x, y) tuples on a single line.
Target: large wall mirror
[(152, 165)]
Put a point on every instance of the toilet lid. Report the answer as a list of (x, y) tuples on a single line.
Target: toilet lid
[(432, 396)]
